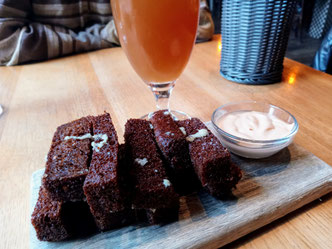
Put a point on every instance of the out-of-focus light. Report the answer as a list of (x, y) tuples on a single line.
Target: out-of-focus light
[(219, 46), (291, 78)]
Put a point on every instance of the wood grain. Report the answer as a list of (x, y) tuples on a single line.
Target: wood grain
[(39, 97), (270, 189)]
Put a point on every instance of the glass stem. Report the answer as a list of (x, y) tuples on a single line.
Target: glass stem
[(162, 92)]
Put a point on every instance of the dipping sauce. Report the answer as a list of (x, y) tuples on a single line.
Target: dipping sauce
[(254, 125)]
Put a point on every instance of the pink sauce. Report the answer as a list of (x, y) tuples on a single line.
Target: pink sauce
[(254, 125)]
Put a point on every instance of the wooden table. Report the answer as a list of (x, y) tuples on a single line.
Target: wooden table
[(39, 97)]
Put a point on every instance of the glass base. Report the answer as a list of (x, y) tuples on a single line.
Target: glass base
[(1, 110), (177, 115)]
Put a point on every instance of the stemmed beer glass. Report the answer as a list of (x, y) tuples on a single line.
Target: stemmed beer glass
[(157, 37)]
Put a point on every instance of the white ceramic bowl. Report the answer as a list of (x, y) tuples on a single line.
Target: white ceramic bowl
[(254, 148)]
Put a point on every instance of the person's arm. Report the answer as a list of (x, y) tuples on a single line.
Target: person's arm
[(205, 29), (323, 57), (23, 41)]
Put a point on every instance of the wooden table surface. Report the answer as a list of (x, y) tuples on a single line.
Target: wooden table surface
[(39, 97)]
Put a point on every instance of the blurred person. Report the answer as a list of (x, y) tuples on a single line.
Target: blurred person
[(323, 57), (36, 30)]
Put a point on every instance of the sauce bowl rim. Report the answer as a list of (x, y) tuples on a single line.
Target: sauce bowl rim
[(278, 141)]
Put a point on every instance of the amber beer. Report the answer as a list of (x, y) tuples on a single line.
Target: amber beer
[(157, 35)]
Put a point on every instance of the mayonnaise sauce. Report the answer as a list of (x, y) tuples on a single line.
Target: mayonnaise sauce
[(254, 125)]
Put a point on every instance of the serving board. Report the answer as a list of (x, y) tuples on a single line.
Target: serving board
[(269, 189)]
